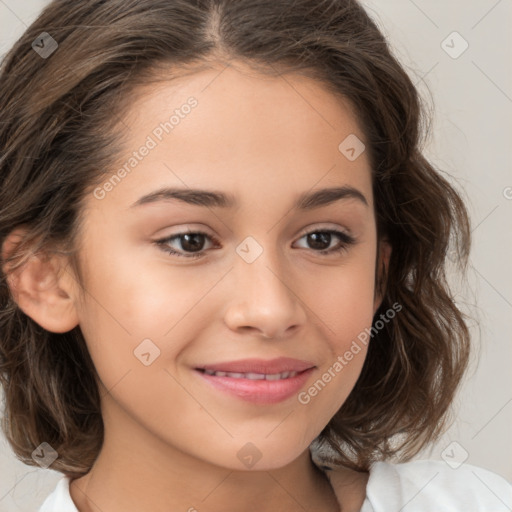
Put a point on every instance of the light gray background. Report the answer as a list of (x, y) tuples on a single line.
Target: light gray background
[(471, 141)]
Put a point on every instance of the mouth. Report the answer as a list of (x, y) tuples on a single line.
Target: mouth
[(256, 380), (252, 376)]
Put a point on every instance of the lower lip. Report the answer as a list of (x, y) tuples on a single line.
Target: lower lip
[(259, 391)]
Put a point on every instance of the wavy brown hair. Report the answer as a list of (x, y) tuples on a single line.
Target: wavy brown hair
[(60, 131)]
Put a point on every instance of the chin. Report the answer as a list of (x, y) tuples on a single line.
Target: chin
[(260, 454)]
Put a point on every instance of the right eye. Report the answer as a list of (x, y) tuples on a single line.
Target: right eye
[(192, 244)]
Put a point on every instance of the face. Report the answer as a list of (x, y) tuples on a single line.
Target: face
[(210, 318)]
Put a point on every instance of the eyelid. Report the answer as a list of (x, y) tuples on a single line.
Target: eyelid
[(315, 229), (304, 232), (345, 238)]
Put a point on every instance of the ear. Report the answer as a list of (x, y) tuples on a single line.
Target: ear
[(381, 272), (42, 287)]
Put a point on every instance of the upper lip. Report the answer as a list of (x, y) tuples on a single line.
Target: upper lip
[(267, 367)]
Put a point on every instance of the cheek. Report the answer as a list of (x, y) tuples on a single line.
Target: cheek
[(343, 301), (323, 398), (136, 314), (344, 304), (338, 374), (160, 297)]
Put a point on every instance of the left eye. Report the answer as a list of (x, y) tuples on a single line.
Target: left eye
[(192, 243), (320, 238)]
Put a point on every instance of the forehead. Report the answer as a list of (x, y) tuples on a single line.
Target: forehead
[(229, 91), (232, 128)]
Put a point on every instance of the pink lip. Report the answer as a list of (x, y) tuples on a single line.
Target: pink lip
[(260, 391)]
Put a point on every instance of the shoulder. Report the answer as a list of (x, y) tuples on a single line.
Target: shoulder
[(60, 499), (426, 485)]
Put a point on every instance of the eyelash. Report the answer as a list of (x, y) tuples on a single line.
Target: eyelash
[(346, 242)]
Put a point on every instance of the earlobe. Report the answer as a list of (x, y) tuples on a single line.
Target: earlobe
[(381, 272), (41, 287)]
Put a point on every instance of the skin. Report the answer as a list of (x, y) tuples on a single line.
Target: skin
[(171, 440)]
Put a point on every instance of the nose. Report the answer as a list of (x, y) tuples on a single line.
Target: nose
[(263, 298)]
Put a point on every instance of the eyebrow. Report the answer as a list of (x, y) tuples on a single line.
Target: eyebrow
[(212, 198)]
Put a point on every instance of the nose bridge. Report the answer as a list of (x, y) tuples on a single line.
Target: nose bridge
[(260, 270), (264, 298)]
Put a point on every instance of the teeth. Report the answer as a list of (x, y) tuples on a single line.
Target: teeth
[(252, 376), (276, 376), (255, 376)]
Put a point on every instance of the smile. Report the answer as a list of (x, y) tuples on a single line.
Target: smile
[(256, 380), (252, 376)]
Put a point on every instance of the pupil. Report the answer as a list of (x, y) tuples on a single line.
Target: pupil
[(192, 242), (317, 239)]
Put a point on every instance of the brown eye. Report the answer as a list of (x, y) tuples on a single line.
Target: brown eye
[(190, 244), (320, 241)]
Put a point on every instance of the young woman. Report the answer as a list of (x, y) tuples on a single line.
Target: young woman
[(223, 263)]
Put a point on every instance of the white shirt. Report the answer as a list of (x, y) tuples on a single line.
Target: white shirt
[(417, 486)]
